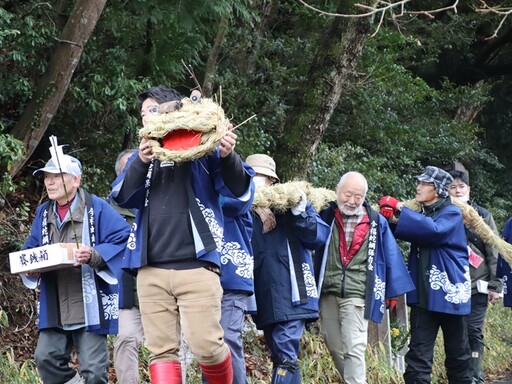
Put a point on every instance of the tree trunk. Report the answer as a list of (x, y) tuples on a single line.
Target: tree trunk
[(249, 61), (211, 64), (53, 85), (468, 113), (329, 75)]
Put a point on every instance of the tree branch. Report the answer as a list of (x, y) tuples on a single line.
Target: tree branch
[(381, 7), (505, 12)]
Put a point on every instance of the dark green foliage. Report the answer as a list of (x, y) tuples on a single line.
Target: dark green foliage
[(393, 123), (397, 116), (26, 38), (427, 91)]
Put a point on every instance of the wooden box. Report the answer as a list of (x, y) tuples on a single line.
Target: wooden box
[(41, 259)]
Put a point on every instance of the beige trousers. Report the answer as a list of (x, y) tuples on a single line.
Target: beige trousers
[(126, 346), (188, 301), (345, 331)]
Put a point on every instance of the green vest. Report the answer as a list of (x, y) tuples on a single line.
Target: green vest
[(349, 282)]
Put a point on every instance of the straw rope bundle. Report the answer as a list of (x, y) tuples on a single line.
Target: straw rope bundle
[(205, 117), (479, 226), (281, 197)]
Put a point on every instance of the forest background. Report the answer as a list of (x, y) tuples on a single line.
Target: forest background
[(409, 84)]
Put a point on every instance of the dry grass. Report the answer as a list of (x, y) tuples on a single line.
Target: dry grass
[(316, 365)]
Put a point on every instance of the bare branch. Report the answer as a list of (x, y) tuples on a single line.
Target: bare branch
[(381, 7), (379, 24), (452, 7), (370, 10), (68, 42), (505, 12), (190, 71)]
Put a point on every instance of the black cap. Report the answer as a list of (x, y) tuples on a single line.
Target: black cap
[(456, 174)]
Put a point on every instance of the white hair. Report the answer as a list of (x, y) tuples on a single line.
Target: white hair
[(358, 175), (120, 157)]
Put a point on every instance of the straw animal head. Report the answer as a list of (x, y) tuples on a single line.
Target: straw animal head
[(185, 130)]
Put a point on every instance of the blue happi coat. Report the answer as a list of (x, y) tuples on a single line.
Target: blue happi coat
[(386, 272), (284, 281), (237, 262), (207, 186), (110, 233), (449, 285), (503, 270)]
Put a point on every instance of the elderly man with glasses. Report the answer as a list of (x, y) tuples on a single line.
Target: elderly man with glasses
[(438, 264)]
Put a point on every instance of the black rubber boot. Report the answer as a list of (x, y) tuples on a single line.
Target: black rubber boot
[(285, 373)]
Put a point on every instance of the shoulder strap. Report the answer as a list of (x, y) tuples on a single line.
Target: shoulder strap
[(293, 241), (372, 253), (45, 234), (199, 221), (89, 212)]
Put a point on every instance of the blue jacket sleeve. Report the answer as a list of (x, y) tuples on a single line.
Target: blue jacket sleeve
[(235, 207), (398, 280), (507, 231), (417, 228), (128, 188), (311, 230), (112, 233)]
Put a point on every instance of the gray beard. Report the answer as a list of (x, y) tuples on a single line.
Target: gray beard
[(359, 211)]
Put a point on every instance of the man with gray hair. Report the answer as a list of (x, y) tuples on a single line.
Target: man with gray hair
[(77, 304), (358, 268)]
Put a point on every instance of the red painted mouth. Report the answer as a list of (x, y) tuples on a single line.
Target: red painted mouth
[(181, 139)]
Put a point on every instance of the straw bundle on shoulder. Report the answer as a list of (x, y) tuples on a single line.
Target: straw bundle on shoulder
[(205, 117), (282, 197), (483, 231), (479, 226), (320, 197)]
